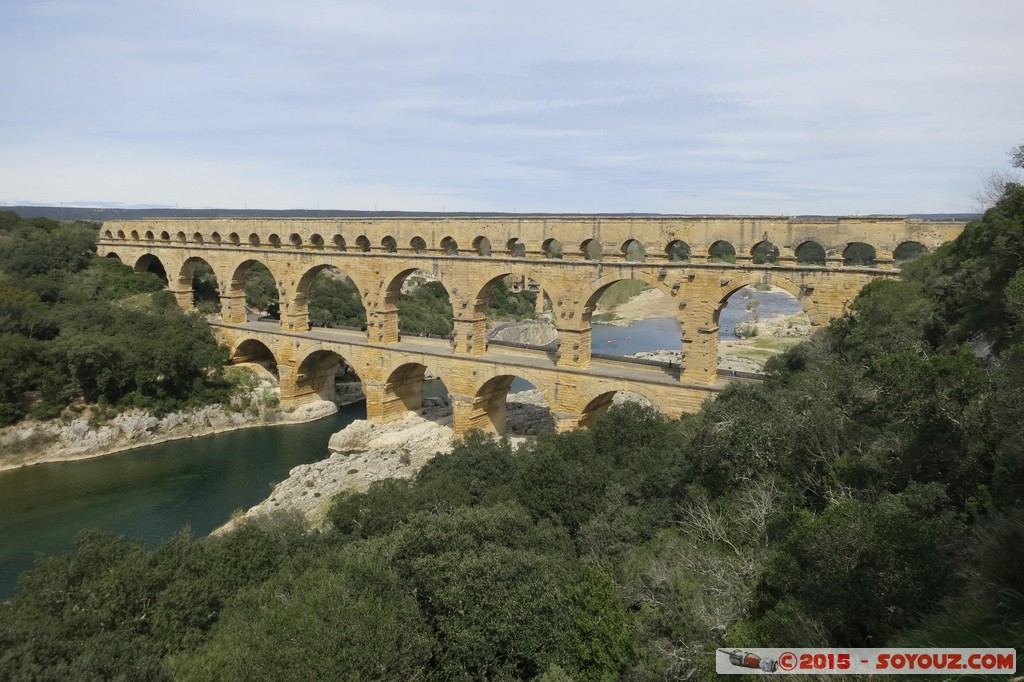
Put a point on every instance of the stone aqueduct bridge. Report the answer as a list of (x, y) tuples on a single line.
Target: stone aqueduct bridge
[(469, 255)]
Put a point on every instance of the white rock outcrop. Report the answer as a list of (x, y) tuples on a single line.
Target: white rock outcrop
[(364, 452)]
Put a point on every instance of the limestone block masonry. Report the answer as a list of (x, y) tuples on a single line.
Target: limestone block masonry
[(572, 260)]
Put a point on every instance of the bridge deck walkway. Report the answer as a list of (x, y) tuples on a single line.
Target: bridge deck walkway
[(495, 355)]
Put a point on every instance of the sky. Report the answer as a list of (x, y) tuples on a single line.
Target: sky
[(751, 107)]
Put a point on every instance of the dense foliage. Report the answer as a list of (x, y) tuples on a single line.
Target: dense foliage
[(334, 301), (868, 493), (75, 327)]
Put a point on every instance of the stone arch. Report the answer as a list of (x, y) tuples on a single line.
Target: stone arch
[(591, 249), (722, 252), (198, 238), (108, 234), (216, 238), (908, 251), (678, 251), (274, 241), (482, 246), (149, 235), (120, 235), (147, 262), (587, 305), (482, 288), (236, 292), (203, 291), (363, 243), (181, 237), (165, 236), (135, 235), (254, 239), (418, 244), (516, 247), (114, 256), (339, 243), (633, 250), (234, 239), (450, 246), (316, 242), (764, 253), (599, 401), (392, 290), (300, 303), (315, 376), (389, 244), (403, 390), (254, 351), (295, 239), (805, 298), (810, 252), (488, 410), (859, 254), (552, 248)]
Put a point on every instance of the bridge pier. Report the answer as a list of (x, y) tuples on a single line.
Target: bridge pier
[(382, 326), (232, 306), (565, 421), (286, 378), (184, 297), (470, 335), (573, 348), (470, 412)]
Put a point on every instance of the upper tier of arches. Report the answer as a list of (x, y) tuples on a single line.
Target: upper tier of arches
[(742, 241)]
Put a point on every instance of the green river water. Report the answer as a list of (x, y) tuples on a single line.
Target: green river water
[(153, 492)]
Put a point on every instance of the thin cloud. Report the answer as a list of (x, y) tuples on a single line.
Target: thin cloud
[(731, 107)]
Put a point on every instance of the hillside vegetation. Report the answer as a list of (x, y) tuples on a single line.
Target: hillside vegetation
[(77, 329), (868, 493)]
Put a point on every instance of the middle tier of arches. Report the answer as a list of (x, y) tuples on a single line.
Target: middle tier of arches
[(698, 293)]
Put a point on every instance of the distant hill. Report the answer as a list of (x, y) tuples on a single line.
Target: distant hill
[(101, 214)]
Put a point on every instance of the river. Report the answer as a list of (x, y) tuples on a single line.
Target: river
[(155, 491), (151, 492)]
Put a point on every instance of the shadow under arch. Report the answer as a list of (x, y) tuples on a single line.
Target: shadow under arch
[(403, 391), (147, 262), (810, 252), (859, 254), (489, 411), (255, 352), (908, 251), (600, 402), (114, 256), (317, 377)]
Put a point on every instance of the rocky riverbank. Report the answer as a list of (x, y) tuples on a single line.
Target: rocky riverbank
[(537, 332), (364, 452), (34, 442)]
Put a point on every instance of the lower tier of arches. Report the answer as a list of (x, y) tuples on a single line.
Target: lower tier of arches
[(393, 376)]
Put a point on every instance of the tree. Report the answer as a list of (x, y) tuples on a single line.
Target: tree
[(1017, 156)]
